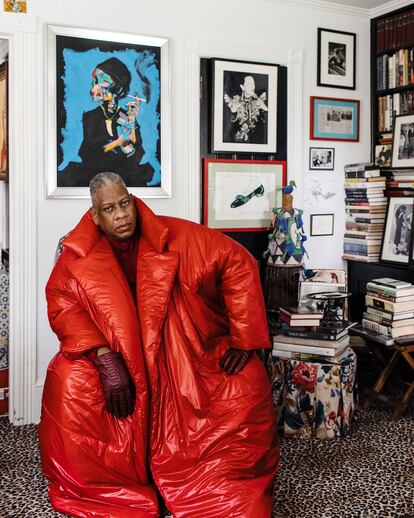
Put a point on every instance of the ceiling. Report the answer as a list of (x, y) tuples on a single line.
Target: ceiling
[(364, 4)]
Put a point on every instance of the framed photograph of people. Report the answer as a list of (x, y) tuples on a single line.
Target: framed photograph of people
[(321, 158), (321, 224), (244, 106), (396, 243), (334, 119), (108, 109), (403, 141), (336, 59), (383, 154), (239, 195)]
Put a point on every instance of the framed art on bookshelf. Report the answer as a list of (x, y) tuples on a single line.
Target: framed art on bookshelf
[(336, 59), (334, 119), (397, 241), (244, 104), (321, 224), (239, 195), (403, 142), (321, 158), (383, 154)]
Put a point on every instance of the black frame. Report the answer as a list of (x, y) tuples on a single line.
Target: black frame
[(410, 245), (322, 235), (319, 81), (322, 168)]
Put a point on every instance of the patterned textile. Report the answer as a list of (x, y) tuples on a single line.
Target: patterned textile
[(314, 398), (4, 318)]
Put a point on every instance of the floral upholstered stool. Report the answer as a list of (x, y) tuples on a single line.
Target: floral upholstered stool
[(314, 398)]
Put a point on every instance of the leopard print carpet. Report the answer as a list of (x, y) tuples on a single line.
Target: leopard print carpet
[(368, 475)]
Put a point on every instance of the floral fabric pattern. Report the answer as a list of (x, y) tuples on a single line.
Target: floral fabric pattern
[(314, 398)]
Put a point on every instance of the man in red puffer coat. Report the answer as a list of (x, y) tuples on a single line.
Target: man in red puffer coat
[(156, 388)]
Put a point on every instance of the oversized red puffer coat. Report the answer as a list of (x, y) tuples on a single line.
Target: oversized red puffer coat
[(205, 439)]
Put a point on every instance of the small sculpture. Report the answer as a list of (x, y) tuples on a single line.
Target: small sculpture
[(286, 240)]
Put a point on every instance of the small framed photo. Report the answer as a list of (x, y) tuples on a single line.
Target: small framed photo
[(383, 154), (239, 195), (336, 59), (321, 158), (403, 141), (334, 119), (244, 118), (322, 224), (396, 243)]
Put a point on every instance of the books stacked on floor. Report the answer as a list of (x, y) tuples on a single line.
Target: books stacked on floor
[(400, 182), (365, 207), (389, 308), (307, 341)]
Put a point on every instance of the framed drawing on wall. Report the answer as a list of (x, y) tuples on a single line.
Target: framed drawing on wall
[(321, 224), (336, 59), (244, 99), (107, 110), (239, 195), (334, 119)]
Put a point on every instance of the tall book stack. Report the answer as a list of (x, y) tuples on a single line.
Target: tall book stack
[(390, 308), (365, 207), (304, 339)]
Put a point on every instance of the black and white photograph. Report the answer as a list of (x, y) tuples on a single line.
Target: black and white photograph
[(383, 154), (244, 107), (336, 59), (397, 235), (321, 158), (403, 142)]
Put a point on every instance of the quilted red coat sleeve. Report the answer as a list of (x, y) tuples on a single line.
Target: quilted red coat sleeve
[(72, 324)]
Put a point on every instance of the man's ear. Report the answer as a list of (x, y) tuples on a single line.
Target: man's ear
[(94, 215)]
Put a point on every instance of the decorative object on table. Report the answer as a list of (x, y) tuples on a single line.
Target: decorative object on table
[(397, 242), (334, 119), (284, 255), (322, 224), (314, 398), (321, 158), (383, 155), (244, 107), (121, 124), (336, 59), (332, 304), (403, 142), (239, 195)]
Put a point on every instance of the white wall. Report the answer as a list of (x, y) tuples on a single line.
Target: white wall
[(238, 22)]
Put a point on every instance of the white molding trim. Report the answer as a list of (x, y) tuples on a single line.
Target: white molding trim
[(193, 50), (325, 6), (388, 7), (23, 125)]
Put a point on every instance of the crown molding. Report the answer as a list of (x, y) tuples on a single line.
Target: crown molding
[(388, 7), (325, 6)]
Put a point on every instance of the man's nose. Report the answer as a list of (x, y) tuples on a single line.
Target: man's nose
[(120, 213)]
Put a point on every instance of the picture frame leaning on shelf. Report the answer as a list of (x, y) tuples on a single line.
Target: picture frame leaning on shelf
[(397, 240), (403, 142)]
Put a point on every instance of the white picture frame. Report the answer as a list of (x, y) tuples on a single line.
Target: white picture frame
[(396, 243), (403, 142)]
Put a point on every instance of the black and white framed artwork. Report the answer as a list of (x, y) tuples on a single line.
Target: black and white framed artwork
[(336, 58), (244, 101), (321, 158)]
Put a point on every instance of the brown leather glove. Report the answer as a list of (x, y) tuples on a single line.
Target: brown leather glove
[(234, 360), (117, 385)]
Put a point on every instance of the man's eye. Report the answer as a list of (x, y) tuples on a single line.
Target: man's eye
[(108, 210), (125, 203)]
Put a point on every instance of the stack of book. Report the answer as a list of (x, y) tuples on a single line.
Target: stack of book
[(365, 207), (389, 308), (310, 342), (300, 316), (401, 183)]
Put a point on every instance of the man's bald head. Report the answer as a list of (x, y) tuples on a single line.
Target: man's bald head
[(104, 180)]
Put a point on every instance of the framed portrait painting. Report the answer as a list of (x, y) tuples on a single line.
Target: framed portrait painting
[(336, 58), (321, 158), (107, 110), (334, 119), (239, 195), (244, 101), (396, 242), (403, 142)]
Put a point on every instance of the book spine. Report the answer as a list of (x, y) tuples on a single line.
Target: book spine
[(375, 318), (306, 356), (311, 334), (380, 304), (378, 312), (378, 328)]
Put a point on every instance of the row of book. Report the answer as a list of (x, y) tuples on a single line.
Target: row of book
[(395, 31), (302, 337), (400, 182), (395, 70), (401, 103), (389, 308), (365, 207)]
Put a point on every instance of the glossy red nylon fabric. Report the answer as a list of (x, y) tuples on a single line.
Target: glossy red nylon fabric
[(205, 439)]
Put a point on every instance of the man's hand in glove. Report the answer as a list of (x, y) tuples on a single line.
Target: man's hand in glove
[(234, 360), (117, 385)]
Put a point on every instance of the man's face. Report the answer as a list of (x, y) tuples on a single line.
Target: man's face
[(249, 85), (114, 212), (101, 84)]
